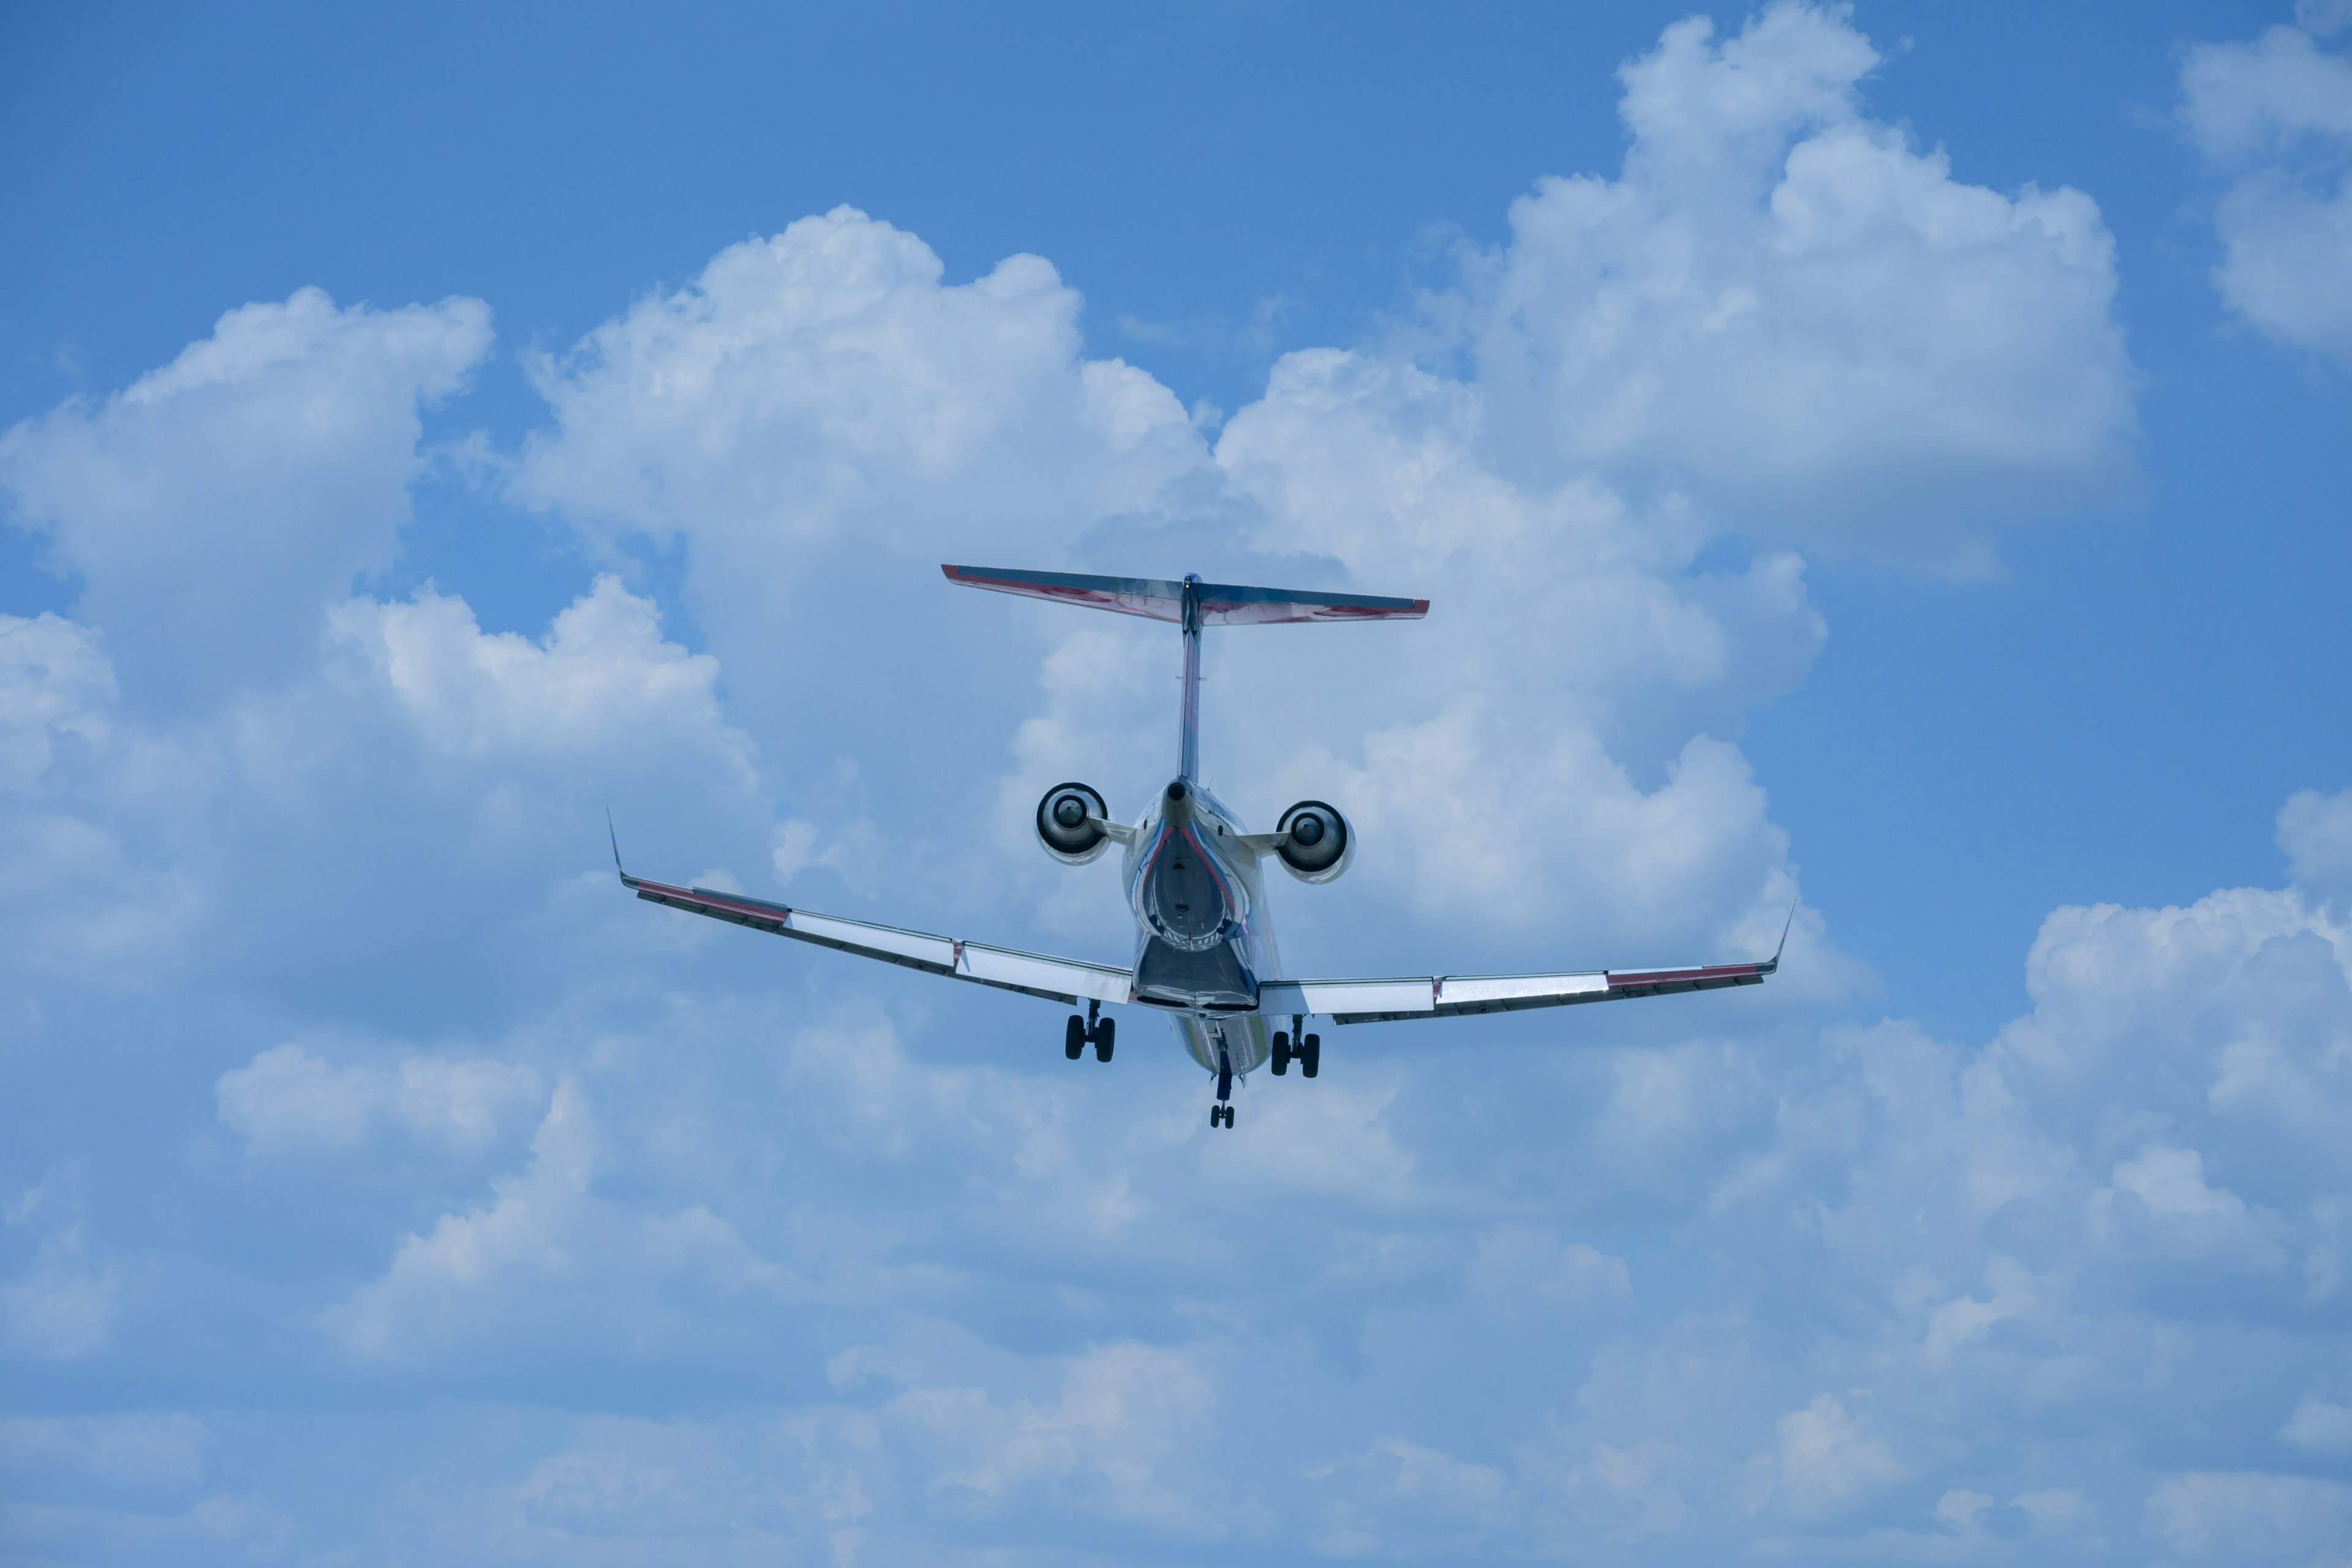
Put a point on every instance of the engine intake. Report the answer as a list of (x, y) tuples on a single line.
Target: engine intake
[(1313, 842), (1062, 825)]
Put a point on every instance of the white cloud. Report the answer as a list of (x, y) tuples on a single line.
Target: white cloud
[(479, 1274), (2320, 1426), (825, 378), (62, 1308), (288, 1098), (2315, 831), (1522, 1269), (55, 682), (2273, 117), (1817, 331), (216, 508), (1825, 1459), (2249, 1518), (1124, 1414), (601, 677), (1966, 1319), (146, 1449)]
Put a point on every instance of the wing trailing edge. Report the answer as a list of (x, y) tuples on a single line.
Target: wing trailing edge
[(1460, 995), (1220, 604)]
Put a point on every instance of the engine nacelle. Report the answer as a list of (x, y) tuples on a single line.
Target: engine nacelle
[(1063, 827), (1313, 842)]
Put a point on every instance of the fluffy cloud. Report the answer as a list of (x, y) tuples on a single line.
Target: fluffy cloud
[(55, 684), (785, 1272), (543, 1228), (216, 508), (1781, 309), (2315, 831), (288, 1098), (62, 1306), (2273, 119), (601, 676)]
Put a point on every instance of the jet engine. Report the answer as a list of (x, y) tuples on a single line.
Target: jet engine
[(1064, 825), (1313, 842)]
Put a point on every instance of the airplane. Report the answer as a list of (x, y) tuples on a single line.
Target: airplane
[(1204, 948)]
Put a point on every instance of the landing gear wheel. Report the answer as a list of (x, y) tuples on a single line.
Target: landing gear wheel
[(1281, 1053), (1221, 1116), (1104, 1033), (1074, 1038), (1310, 1055)]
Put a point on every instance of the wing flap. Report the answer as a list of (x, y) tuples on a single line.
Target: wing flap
[(1459, 996), (1007, 969)]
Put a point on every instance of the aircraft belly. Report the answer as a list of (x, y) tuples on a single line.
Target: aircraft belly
[(1244, 1038), (1218, 976)]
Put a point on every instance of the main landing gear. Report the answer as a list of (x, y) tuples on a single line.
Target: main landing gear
[(1094, 1029), (1308, 1052)]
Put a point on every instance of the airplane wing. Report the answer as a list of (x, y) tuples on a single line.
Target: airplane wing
[(1032, 974), (1457, 995), (1218, 604)]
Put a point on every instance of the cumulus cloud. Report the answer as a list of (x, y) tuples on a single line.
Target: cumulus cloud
[(288, 1098), (2244, 1518), (144, 1449), (63, 1307), (55, 684), (602, 674), (1103, 1445), (480, 1274), (1824, 1460), (2315, 831), (2273, 119), (215, 509), (1783, 308), (2320, 1426)]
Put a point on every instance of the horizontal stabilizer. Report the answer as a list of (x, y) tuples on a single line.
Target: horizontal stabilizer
[(1221, 604)]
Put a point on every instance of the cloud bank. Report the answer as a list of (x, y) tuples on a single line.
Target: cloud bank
[(360, 1089)]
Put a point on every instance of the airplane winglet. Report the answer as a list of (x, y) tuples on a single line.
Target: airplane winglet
[(614, 834), (1784, 935)]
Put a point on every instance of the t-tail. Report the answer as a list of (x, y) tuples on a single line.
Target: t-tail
[(1192, 605)]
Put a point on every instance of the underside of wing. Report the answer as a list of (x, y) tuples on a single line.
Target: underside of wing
[(1218, 604), (1007, 969), (1457, 995), (1150, 597)]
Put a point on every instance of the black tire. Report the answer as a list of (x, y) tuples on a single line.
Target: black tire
[(1311, 1060), (1281, 1053), (1106, 1033), (1074, 1038)]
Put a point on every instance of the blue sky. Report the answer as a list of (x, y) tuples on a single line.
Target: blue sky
[(1890, 458)]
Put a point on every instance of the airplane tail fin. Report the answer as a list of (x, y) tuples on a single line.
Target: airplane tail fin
[(1218, 604)]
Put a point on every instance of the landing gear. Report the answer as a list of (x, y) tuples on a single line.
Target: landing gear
[(1222, 1113), (1308, 1052), (1094, 1029)]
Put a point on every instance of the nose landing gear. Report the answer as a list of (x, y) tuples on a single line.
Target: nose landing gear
[(1095, 1030), (1222, 1113)]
